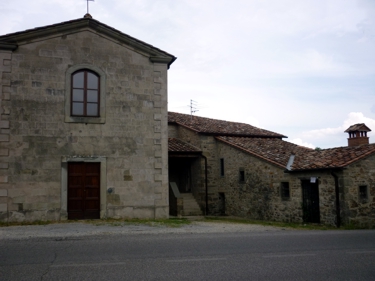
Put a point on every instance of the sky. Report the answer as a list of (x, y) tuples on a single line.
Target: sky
[(304, 69)]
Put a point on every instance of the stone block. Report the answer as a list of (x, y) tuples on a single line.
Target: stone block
[(158, 153), (4, 165), (3, 207), (3, 179), (158, 177), (4, 137), (3, 192), (4, 95), (162, 212), (4, 124), (144, 213), (158, 165)]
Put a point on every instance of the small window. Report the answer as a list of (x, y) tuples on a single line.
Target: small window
[(363, 192), (241, 175), (284, 190), (222, 167), (85, 93)]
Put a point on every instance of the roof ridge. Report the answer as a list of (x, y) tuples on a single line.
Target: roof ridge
[(205, 125)]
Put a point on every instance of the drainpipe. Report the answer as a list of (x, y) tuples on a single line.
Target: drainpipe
[(338, 223), (205, 179)]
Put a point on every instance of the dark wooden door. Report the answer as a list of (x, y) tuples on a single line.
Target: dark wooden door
[(310, 205), (83, 190)]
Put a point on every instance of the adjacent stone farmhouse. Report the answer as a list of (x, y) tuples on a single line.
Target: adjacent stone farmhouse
[(83, 124), (236, 169)]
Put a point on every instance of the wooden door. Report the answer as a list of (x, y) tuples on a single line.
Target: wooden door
[(310, 205), (83, 190)]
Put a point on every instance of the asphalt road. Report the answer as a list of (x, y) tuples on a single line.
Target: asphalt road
[(288, 255)]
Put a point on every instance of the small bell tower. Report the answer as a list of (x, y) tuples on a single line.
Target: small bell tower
[(358, 134)]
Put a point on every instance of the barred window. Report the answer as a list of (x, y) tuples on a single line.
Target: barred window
[(284, 190), (241, 176), (362, 190), (222, 167)]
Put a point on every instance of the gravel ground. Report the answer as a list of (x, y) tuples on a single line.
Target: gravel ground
[(79, 229)]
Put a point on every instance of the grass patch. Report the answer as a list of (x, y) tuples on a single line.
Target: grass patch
[(4, 224), (178, 222), (172, 222), (289, 225)]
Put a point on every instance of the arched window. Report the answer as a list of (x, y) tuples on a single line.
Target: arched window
[(85, 94)]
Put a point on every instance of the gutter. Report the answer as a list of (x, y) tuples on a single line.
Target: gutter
[(337, 192), (206, 182), (314, 170)]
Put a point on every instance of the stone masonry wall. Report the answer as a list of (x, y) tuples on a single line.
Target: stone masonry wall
[(357, 211), (259, 197), (5, 69), (133, 139)]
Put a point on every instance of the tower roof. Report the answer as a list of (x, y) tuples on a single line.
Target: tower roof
[(360, 127)]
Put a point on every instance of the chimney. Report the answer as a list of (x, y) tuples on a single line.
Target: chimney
[(358, 134)]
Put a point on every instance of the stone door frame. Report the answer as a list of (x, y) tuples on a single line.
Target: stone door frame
[(64, 182)]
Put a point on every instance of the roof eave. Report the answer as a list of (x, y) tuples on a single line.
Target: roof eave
[(4, 46), (313, 169), (156, 55), (242, 135)]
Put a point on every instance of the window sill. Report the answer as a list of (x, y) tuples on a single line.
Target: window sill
[(90, 120)]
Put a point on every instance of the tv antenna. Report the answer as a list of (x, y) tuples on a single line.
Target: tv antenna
[(193, 108), (88, 4)]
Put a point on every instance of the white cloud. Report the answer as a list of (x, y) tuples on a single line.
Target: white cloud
[(284, 65), (336, 135), (299, 141)]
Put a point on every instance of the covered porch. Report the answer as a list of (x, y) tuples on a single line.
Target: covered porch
[(184, 177)]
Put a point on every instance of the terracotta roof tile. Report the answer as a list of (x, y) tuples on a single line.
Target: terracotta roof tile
[(338, 157), (177, 145), (219, 127), (358, 127), (273, 150), (278, 152)]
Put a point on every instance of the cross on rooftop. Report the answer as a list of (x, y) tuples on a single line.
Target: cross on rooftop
[(88, 5)]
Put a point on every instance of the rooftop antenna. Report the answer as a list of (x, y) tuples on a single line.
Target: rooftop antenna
[(193, 108), (88, 5)]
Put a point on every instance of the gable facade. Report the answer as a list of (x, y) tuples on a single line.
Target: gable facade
[(118, 143)]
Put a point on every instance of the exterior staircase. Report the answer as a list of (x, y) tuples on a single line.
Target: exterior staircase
[(190, 205)]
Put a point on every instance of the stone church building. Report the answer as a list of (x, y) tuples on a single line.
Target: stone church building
[(83, 124)]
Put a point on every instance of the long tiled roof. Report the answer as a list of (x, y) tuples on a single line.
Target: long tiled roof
[(177, 145), (219, 127), (272, 150), (268, 145), (338, 157), (278, 152)]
